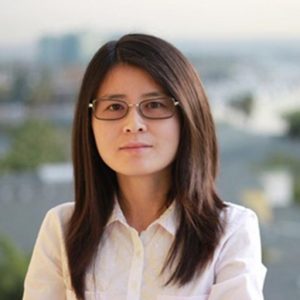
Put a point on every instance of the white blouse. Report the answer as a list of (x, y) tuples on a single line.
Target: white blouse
[(128, 265)]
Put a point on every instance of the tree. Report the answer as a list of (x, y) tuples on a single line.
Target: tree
[(243, 102), (35, 142), (293, 119), (13, 266)]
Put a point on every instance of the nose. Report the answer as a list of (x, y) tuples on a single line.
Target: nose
[(134, 122)]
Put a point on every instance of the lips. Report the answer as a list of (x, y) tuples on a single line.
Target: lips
[(133, 146)]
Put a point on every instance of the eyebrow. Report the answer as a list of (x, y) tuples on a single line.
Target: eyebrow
[(124, 96)]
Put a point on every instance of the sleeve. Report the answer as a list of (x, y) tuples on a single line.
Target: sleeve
[(44, 278), (239, 271)]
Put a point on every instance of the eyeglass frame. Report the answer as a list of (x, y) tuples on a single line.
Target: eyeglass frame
[(130, 105)]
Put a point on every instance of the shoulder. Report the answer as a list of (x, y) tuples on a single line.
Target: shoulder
[(237, 216), (48, 269), (57, 218), (238, 264), (241, 238), (62, 211)]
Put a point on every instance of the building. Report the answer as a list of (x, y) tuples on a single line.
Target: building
[(68, 49)]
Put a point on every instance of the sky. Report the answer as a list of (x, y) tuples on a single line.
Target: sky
[(24, 21)]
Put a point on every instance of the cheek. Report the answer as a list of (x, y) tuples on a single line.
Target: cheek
[(171, 137), (176, 138), (176, 130), (103, 138)]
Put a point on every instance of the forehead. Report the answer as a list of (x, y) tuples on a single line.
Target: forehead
[(129, 81)]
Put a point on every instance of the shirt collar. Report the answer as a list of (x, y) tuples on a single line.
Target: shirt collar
[(169, 220), (117, 214)]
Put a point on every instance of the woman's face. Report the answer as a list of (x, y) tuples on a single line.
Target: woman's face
[(134, 145)]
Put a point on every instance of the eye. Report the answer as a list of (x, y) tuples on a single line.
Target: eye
[(154, 104), (115, 107)]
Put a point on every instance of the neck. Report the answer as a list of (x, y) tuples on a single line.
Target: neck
[(143, 199)]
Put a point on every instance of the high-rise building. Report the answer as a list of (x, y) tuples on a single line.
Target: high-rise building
[(68, 49)]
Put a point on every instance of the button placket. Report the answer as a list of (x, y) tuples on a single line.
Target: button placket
[(136, 271)]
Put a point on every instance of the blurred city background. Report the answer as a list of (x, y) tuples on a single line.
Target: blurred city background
[(250, 68)]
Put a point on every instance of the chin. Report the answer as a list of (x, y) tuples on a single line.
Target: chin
[(135, 173), (140, 170)]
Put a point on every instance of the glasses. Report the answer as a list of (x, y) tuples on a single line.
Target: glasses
[(156, 108)]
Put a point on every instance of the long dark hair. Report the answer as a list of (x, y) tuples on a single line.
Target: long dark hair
[(194, 169)]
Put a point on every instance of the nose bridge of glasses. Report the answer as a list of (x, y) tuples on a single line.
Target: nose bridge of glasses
[(130, 105), (137, 110)]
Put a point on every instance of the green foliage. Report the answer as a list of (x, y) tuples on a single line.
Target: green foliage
[(35, 142), (4, 93), (13, 266), (293, 119), (243, 102), (281, 160), (297, 189)]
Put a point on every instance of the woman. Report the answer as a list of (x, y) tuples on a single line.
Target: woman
[(147, 222)]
